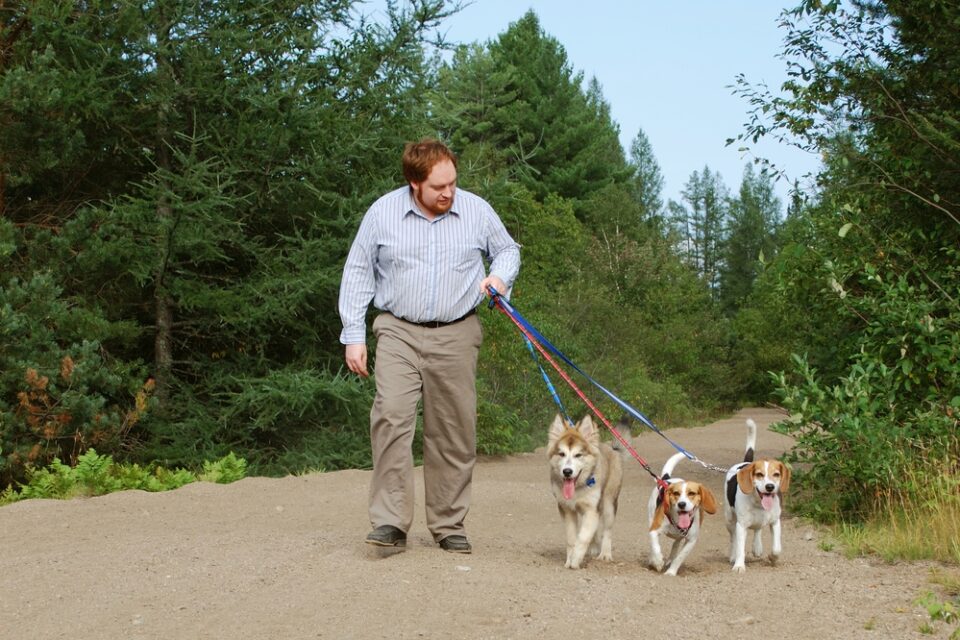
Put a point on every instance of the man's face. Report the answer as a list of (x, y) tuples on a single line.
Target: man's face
[(435, 194)]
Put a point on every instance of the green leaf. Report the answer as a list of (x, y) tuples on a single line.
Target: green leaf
[(845, 229)]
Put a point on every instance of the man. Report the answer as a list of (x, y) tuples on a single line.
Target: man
[(419, 257)]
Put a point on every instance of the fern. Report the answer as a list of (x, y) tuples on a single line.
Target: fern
[(96, 475), (227, 469)]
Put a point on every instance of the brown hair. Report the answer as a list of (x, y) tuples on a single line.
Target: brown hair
[(420, 157)]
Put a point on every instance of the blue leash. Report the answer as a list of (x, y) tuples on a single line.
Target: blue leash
[(498, 300), (546, 379)]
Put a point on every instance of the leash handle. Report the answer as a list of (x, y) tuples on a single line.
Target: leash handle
[(494, 295)]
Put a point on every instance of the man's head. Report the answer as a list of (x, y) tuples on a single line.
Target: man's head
[(431, 169)]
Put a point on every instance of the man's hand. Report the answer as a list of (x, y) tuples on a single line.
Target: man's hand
[(495, 282), (357, 359)]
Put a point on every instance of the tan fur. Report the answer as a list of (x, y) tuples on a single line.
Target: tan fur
[(784, 477), (663, 513), (708, 502), (745, 475), (659, 516), (745, 478), (589, 515), (697, 494)]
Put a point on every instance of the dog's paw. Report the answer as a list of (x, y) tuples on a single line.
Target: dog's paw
[(672, 571), (656, 564), (574, 561), (739, 568)]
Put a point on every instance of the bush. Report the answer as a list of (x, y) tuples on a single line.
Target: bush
[(897, 405)]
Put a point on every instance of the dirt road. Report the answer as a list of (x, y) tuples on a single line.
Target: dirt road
[(284, 559)]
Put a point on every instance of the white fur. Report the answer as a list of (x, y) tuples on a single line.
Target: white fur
[(679, 497), (761, 477)]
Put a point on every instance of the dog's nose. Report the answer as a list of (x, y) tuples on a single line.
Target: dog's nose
[(682, 504), (770, 487), (567, 473)]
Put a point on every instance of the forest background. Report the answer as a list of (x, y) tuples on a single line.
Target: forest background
[(180, 182)]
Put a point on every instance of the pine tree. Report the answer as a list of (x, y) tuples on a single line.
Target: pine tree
[(520, 99), (754, 219), (647, 177), (702, 225), (214, 160)]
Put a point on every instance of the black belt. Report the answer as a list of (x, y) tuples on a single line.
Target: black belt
[(433, 324)]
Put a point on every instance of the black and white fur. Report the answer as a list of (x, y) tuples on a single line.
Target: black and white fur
[(752, 500)]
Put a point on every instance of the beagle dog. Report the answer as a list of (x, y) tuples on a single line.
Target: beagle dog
[(676, 511), (752, 500)]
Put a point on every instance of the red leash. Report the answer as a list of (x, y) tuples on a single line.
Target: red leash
[(573, 385)]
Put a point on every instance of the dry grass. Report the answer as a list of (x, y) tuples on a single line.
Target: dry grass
[(922, 523)]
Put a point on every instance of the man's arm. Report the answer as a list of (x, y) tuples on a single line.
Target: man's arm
[(356, 291), (504, 255)]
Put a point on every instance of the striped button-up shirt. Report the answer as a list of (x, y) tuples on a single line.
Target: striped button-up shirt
[(420, 269)]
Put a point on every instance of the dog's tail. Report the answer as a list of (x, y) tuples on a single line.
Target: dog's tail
[(624, 429), (669, 465), (751, 440)]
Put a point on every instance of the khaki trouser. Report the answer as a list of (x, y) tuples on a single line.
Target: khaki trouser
[(439, 366)]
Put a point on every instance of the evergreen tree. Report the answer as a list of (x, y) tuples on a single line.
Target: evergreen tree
[(647, 177), (522, 101), (221, 155), (702, 225), (754, 218)]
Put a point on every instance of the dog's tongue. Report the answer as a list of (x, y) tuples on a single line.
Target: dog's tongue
[(684, 520), (569, 485), (766, 500)]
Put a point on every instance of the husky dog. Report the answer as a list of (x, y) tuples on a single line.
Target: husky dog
[(754, 489), (585, 476), (676, 511)]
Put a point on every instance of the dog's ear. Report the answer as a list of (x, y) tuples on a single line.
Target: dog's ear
[(707, 502), (745, 479), (588, 430), (784, 477), (557, 428), (658, 515), (660, 512)]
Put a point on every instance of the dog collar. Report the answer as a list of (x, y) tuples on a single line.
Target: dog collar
[(591, 481)]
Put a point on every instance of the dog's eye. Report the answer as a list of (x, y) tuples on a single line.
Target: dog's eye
[(579, 455)]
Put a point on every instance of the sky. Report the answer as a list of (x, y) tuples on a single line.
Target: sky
[(666, 67)]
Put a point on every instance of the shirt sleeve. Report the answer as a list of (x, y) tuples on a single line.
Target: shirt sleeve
[(503, 251), (358, 285)]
